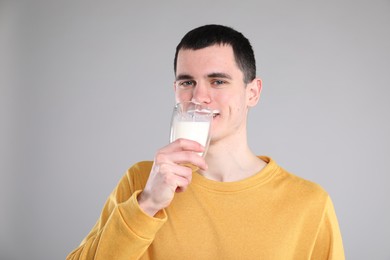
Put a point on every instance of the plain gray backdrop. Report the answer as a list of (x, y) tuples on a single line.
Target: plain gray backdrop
[(86, 91)]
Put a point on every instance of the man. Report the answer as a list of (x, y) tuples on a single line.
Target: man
[(237, 205)]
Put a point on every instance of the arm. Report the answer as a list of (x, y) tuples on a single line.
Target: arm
[(123, 230), (328, 244), (135, 211)]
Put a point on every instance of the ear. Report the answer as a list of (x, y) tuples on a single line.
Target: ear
[(253, 90)]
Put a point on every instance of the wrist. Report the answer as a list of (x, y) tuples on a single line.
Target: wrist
[(147, 205)]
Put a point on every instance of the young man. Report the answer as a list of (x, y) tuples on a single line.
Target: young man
[(237, 205)]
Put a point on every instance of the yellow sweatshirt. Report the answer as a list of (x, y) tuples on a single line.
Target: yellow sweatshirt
[(271, 215)]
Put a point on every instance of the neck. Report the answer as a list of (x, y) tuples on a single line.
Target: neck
[(231, 161)]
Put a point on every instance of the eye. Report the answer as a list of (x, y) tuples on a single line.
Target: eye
[(186, 84), (218, 83)]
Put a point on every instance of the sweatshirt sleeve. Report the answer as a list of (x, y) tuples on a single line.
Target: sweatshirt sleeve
[(123, 230), (328, 244)]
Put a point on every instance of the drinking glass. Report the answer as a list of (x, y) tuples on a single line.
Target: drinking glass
[(191, 120)]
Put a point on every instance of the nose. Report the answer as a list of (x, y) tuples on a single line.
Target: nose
[(201, 94)]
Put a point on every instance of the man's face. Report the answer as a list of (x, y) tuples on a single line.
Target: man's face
[(212, 77)]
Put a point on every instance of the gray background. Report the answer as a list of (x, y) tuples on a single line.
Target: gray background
[(86, 91)]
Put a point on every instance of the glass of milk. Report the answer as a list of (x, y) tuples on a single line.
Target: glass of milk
[(192, 121)]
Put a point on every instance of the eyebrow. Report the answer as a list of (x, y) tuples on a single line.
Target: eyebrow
[(211, 75), (219, 75), (184, 77)]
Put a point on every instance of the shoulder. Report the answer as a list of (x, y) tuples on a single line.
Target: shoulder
[(303, 184), (308, 198), (294, 184), (302, 189), (140, 167)]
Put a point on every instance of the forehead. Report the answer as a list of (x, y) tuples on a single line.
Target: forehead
[(216, 58)]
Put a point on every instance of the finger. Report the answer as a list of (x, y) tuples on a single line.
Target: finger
[(174, 176), (177, 177), (189, 158), (182, 184), (180, 157), (182, 144), (176, 169)]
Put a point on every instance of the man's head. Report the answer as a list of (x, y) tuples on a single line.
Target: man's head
[(215, 66), (209, 35)]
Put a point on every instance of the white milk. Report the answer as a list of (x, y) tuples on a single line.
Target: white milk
[(196, 131)]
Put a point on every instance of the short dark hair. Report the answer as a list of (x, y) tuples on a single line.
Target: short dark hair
[(213, 34)]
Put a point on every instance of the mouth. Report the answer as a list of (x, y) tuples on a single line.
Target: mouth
[(215, 113)]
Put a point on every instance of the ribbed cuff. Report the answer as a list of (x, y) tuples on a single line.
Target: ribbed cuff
[(140, 222)]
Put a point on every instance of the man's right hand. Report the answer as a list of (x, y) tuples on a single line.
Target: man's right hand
[(169, 175)]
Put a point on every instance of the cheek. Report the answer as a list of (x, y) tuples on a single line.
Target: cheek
[(234, 101), (221, 98), (183, 96)]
